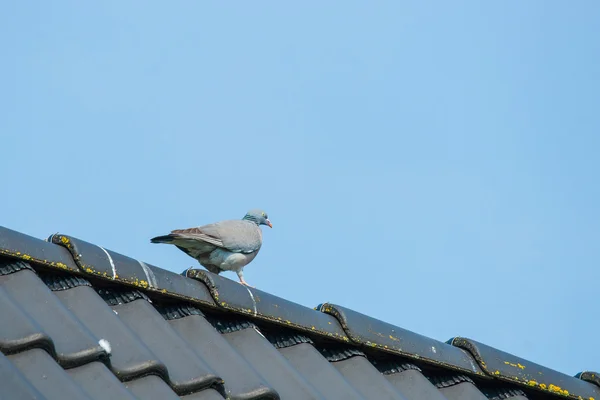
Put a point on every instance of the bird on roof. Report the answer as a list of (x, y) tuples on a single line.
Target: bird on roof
[(222, 246)]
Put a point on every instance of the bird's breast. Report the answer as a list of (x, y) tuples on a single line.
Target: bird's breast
[(229, 261)]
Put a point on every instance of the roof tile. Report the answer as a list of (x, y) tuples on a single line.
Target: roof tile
[(447, 380), (117, 297), (413, 385), (463, 391), (129, 358), (270, 364), (22, 332), (24, 247), (502, 393), (241, 381), (286, 338), (96, 261), (151, 387), (178, 311), (15, 383), (46, 375), (209, 394), (321, 374), (365, 378), (228, 325), (507, 367), (98, 382), (80, 346), (7, 268), (187, 372), (340, 353), (388, 367), (589, 376), (371, 332), (56, 282), (232, 296)]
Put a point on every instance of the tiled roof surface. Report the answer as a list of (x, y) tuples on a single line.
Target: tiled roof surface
[(81, 322)]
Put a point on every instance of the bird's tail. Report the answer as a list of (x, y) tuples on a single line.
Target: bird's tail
[(163, 239)]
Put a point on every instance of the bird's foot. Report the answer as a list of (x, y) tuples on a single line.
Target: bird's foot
[(243, 282)]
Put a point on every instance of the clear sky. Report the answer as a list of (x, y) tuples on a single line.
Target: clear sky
[(433, 164)]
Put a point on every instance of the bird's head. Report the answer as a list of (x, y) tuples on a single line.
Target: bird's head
[(259, 217)]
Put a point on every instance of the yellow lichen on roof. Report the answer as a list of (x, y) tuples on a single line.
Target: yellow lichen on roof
[(517, 365)]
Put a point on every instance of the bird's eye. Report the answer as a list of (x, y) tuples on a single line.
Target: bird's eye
[(264, 215)]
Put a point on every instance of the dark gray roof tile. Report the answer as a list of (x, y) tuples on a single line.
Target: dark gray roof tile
[(447, 380), (187, 372), (151, 387), (60, 281), (74, 343), (208, 394), (365, 378), (589, 376), (223, 325), (97, 261), (24, 247), (129, 357), (9, 266), (40, 369), (413, 385), (364, 330), (463, 391), (99, 383), (178, 311), (180, 287), (230, 295), (116, 297), (510, 368), (502, 393), (339, 353), (241, 381), (387, 367), (319, 372), (271, 365), (14, 384), (22, 332), (286, 338)]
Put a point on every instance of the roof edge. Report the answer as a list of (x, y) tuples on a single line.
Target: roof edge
[(507, 367), (370, 332)]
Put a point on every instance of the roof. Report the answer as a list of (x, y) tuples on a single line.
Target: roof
[(83, 322)]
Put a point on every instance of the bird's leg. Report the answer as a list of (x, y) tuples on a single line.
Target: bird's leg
[(240, 275)]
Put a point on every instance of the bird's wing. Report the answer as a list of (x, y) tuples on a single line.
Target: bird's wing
[(237, 236), (206, 233)]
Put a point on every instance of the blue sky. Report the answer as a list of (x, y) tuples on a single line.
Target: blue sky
[(432, 165)]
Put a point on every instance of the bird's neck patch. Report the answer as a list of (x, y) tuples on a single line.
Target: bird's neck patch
[(250, 218)]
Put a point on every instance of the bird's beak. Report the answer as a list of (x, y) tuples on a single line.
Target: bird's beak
[(269, 223)]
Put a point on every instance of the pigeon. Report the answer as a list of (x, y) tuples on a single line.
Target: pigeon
[(223, 246)]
